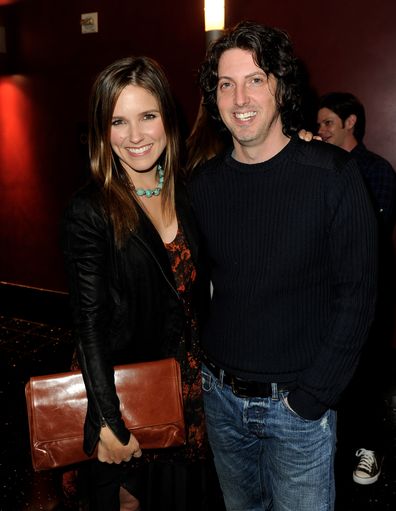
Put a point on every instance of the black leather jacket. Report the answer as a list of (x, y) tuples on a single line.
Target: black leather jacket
[(124, 303)]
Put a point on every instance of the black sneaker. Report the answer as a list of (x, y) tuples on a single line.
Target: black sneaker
[(368, 468)]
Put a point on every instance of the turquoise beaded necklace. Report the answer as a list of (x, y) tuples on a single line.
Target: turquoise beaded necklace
[(150, 192)]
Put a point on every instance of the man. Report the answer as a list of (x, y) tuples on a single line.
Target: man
[(291, 240), (341, 122)]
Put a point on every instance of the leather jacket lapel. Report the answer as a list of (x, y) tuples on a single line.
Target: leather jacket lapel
[(151, 240), (149, 237)]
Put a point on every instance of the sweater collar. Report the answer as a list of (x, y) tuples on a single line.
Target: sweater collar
[(253, 167)]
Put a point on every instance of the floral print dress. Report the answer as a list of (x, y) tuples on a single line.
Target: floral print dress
[(190, 355)]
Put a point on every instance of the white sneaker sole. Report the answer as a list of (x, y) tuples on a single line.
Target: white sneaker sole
[(366, 480)]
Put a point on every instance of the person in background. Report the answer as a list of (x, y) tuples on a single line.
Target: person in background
[(207, 139), (342, 122), (137, 288), (290, 235)]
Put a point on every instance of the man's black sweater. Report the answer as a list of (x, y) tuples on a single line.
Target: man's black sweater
[(292, 248)]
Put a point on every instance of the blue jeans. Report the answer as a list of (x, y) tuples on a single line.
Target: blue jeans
[(266, 456)]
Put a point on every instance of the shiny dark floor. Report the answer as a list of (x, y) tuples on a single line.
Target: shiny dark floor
[(30, 348)]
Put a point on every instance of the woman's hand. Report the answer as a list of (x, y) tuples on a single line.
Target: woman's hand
[(111, 450), (307, 136)]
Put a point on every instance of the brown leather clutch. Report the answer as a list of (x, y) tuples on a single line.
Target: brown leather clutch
[(151, 406)]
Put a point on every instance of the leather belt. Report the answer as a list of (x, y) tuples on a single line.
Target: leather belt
[(246, 388)]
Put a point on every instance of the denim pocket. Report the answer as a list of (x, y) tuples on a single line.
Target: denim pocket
[(290, 410), (208, 380)]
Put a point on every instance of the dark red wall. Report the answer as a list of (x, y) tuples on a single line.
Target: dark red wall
[(43, 103)]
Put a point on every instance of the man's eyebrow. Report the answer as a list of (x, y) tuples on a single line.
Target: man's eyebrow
[(250, 75)]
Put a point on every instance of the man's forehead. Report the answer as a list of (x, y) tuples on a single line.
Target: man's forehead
[(238, 61), (327, 113)]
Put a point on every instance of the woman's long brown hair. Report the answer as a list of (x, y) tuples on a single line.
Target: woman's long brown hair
[(118, 197)]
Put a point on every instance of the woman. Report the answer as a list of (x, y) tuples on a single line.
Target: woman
[(136, 285)]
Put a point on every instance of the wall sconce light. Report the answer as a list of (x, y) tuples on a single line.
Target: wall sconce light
[(214, 20)]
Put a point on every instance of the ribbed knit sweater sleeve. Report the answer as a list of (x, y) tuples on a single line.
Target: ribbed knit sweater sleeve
[(292, 246)]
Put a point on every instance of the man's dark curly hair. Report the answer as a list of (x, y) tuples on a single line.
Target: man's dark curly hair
[(273, 52)]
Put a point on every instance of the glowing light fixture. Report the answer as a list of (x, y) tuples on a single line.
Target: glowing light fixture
[(214, 19)]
